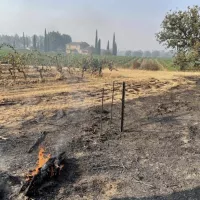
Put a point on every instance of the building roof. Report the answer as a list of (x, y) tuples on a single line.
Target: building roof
[(79, 43)]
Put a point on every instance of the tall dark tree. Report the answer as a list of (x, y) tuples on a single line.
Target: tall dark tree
[(108, 46), (96, 42), (114, 49), (34, 42), (24, 41), (99, 47)]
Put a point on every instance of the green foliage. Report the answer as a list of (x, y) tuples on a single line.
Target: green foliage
[(168, 64), (18, 62), (189, 59), (180, 31), (57, 42)]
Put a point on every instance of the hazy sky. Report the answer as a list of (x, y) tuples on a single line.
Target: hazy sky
[(135, 22)]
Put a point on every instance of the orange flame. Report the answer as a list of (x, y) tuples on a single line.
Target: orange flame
[(42, 159)]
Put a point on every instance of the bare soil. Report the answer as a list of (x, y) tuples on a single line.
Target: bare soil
[(156, 157)]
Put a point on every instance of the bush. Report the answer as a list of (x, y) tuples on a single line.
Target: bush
[(149, 65), (136, 64)]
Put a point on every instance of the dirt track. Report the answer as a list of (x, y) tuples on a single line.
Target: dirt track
[(157, 156)]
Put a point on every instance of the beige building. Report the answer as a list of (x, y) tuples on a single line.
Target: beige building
[(79, 48)]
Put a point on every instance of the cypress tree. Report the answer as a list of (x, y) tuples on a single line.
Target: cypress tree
[(96, 42), (99, 47)]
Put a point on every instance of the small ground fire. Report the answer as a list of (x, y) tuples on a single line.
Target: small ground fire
[(42, 159), (48, 169)]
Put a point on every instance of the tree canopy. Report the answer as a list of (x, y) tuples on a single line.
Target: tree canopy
[(128, 53), (180, 31), (52, 41), (57, 42)]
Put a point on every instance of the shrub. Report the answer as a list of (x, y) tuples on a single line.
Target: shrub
[(149, 65), (136, 64)]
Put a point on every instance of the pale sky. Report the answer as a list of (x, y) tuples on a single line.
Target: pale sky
[(134, 22)]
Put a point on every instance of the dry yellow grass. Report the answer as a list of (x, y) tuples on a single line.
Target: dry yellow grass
[(33, 99), (138, 75)]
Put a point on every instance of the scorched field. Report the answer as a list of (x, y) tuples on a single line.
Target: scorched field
[(155, 157)]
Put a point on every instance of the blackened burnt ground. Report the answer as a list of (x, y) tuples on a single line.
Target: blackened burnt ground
[(157, 156)]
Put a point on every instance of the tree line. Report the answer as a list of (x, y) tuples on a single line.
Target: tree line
[(149, 54), (50, 41), (108, 51)]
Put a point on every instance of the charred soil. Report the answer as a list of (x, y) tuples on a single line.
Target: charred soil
[(156, 157)]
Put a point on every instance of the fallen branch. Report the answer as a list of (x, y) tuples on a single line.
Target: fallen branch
[(38, 142)]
